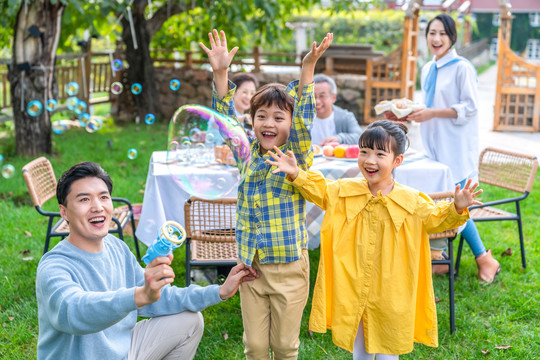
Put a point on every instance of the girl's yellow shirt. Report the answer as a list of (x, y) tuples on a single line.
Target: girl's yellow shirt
[(375, 263)]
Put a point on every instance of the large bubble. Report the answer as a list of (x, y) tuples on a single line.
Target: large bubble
[(136, 89), (59, 127), (93, 125), (117, 65), (196, 135), (174, 84), (72, 88), (52, 104), (80, 107), (132, 154), (83, 119), (149, 119), (1, 159), (117, 88), (8, 171), (34, 108), (72, 102)]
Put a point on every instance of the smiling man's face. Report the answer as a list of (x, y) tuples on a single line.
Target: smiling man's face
[(88, 209)]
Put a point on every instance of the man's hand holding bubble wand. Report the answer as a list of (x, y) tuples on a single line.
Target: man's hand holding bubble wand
[(159, 273)]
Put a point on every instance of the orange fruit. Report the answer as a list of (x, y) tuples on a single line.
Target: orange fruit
[(339, 151)]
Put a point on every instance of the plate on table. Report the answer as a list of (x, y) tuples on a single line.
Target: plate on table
[(342, 159), (317, 150)]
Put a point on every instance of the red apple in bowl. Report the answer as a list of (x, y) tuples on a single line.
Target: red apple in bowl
[(352, 152)]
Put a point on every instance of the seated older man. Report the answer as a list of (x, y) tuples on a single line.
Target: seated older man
[(332, 124)]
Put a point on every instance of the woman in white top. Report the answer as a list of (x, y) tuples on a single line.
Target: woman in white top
[(246, 86), (449, 123)]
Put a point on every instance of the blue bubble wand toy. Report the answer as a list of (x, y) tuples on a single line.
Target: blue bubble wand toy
[(172, 235)]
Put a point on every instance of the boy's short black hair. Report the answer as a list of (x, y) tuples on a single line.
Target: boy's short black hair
[(241, 78), (80, 171), (449, 26), (271, 94)]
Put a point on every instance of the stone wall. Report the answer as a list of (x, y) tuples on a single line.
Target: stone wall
[(196, 88)]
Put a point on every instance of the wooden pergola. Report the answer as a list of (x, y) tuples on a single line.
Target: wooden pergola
[(517, 97)]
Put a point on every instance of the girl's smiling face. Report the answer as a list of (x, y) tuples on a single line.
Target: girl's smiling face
[(438, 41)]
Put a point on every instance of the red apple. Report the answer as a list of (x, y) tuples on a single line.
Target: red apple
[(352, 151), (328, 150)]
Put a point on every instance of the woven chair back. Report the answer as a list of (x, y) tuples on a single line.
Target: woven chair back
[(440, 196), (509, 170), (40, 180), (210, 220)]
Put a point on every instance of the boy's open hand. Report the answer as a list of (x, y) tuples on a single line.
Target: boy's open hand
[(220, 58), (466, 197), (284, 162), (316, 51)]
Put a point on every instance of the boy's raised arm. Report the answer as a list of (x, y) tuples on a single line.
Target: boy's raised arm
[(309, 61), (220, 59)]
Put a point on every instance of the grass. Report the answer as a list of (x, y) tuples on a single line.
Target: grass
[(504, 313)]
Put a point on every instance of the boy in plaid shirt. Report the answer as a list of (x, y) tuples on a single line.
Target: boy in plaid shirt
[(271, 226)]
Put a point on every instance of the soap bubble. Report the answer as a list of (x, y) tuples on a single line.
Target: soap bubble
[(117, 65), (72, 88), (1, 159), (174, 84), (83, 119), (150, 119), (80, 107), (72, 102), (117, 88), (8, 171), (193, 131), (34, 108), (93, 125), (58, 127), (136, 88), (52, 104), (132, 154)]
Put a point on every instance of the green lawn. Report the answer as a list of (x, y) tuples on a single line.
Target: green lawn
[(504, 313)]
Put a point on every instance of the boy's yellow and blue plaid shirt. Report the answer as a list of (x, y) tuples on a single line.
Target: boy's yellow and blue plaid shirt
[(271, 216)]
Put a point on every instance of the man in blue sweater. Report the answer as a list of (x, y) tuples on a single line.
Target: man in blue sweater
[(90, 287)]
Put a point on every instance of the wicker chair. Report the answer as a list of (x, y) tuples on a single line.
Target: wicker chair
[(210, 234), (507, 170), (41, 183), (451, 235)]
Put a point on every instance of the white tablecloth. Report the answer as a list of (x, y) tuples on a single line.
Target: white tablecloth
[(164, 199)]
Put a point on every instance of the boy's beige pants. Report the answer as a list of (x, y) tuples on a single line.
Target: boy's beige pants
[(272, 307)]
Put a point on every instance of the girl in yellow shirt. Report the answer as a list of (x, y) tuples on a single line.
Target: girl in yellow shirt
[(374, 287)]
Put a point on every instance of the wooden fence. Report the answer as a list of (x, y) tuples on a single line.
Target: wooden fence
[(93, 71)]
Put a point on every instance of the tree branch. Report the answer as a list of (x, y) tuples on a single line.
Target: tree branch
[(160, 16)]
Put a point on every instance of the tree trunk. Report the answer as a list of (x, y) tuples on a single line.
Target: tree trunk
[(31, 74), (140, 68)]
